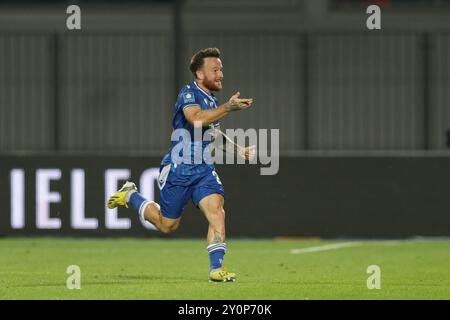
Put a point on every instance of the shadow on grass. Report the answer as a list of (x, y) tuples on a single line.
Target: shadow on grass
[(157, 278), (117, 280), (63, 285)]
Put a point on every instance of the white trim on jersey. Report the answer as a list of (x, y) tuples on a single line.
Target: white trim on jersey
[(191, 105), (209, 96)]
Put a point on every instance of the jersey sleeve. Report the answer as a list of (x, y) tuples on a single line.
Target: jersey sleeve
[(186, 99)]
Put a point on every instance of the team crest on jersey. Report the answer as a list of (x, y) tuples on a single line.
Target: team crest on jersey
[(188, 97)]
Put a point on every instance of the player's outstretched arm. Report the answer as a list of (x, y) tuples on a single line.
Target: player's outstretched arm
[(235, 103), (206, 117)]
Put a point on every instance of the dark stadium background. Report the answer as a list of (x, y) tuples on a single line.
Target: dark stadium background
[(364, 115)]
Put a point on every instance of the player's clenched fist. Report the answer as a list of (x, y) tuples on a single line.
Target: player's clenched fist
[(235, 103)]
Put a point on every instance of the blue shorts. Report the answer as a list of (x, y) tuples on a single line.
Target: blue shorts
[(177, 189)]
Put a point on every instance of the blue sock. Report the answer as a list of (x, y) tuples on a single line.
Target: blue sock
[(216, 252), (136, 200)]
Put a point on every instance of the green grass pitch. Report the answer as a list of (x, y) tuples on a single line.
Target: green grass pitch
[(178, 269)]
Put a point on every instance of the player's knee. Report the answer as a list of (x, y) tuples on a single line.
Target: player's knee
[(218, 212), (167, 228), (218, 222)]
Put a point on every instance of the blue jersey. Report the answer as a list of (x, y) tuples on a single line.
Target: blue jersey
[(191, 95)]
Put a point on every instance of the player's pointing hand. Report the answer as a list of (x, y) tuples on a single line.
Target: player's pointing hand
[(236, 103)]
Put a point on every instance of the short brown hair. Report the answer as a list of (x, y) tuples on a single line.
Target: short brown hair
[(197, 59)]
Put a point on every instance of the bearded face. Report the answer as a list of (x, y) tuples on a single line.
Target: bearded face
[(211, 74)]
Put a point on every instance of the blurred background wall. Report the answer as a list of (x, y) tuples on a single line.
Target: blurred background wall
[(314, 69), (363, 114)]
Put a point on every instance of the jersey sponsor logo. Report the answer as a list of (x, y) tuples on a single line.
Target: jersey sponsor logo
[(188, 97)]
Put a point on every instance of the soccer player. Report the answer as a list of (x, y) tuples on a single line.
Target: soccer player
[(179, 182)]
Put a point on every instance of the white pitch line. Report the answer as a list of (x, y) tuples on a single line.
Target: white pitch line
[(327, 247)]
